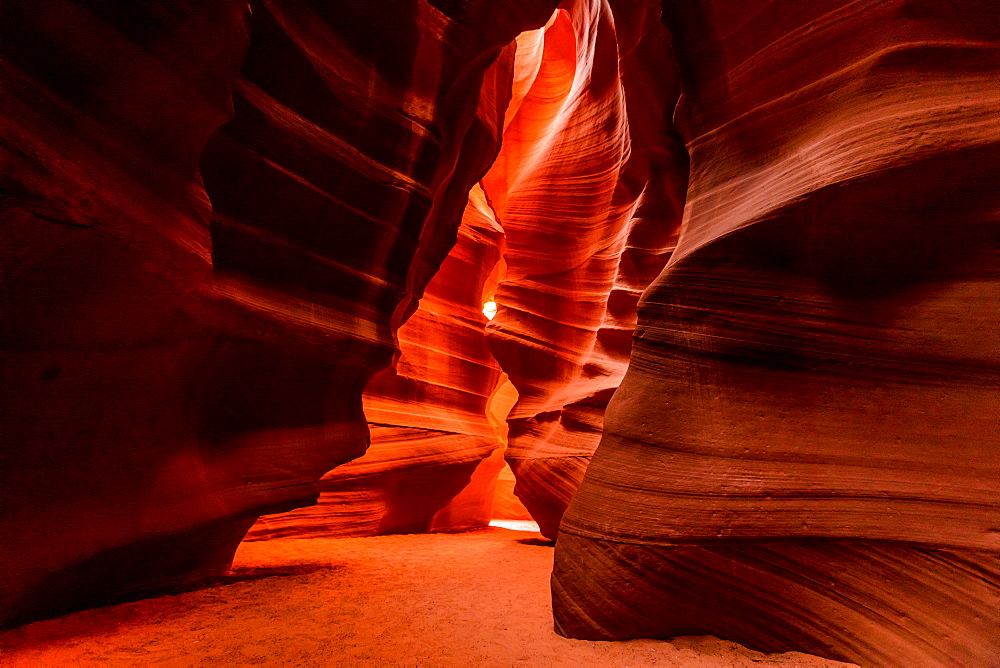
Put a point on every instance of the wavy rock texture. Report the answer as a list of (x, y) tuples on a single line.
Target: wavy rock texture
[(589, 196), (803, 454), (428, 414), (181, 368)]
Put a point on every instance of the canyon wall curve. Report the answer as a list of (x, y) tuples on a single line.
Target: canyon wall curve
[(195, 311), (744, 256), (806, 433)]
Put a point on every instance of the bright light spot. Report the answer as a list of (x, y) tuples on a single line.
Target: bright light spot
[(515, 525), (490, 310)]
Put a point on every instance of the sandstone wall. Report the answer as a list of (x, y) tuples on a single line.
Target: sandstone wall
[(803, 453), (588, 191), (191, 314)]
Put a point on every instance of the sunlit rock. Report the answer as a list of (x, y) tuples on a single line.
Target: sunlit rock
[(589, 191), (431, 434)]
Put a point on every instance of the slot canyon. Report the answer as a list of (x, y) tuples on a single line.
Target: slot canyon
[(307, 303)]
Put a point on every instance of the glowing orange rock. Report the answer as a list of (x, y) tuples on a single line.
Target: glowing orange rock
[(429, 425), (590, 218)]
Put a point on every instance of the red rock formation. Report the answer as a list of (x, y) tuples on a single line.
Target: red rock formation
[(106, 108), (428, 413), (803, 454), (179, 369), (490, 492), (589, 197)]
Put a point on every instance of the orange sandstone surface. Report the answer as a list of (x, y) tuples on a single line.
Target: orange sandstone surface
[(804, 451), (217, 215), (473, 599), (588, 191), (744, 362)]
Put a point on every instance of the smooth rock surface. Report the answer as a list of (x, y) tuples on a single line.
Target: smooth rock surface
[(191, 313), (589, 195), (804, 451), (429, 414)]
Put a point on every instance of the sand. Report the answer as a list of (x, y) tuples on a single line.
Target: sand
[(472, 599)]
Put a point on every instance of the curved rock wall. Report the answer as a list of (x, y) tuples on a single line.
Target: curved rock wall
[(803, 454), (588, 193), (182, 363), (427, 414), (106, 110)]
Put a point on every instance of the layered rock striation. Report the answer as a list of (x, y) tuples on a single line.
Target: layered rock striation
[(191, 312), (803, 453), (428, 414), (219, 218), (567, 159), (589, 193)]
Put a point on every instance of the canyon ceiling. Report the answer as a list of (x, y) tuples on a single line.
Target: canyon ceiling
[(749, 248)]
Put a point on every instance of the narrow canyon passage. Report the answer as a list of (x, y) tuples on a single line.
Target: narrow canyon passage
[(472, 599), (708, 291)]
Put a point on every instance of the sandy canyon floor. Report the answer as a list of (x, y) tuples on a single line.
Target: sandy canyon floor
[(472, 599)]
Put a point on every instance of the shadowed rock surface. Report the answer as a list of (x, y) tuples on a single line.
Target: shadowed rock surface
[(428, 414), (804, 450), (183, 363), (223, 222)]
